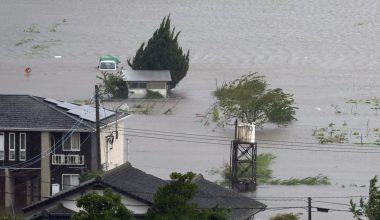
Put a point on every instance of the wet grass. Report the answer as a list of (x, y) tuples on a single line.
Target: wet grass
[(32, 29), (23, 41), (312, 181), (40, 47)]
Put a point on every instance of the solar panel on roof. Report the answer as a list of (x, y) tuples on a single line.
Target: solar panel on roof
[(67, 105), (83, 111), (88, 114), (52, 101)]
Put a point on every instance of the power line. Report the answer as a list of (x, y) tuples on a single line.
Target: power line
[(295, 147), (222, 138)]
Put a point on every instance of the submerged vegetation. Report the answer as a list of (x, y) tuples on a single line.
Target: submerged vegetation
[(264, 174), (153, 95), (35, 34), (312, 181), (368, 134), (286, 216)]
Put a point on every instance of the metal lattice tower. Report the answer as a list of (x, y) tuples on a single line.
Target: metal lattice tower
[(243, 163)]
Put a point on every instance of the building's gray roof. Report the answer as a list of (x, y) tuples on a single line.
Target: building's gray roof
[(26, 112), (142, 186), (147, 75), (58, 211)]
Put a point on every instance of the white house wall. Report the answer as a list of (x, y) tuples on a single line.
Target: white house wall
[(69, 202), (113, 154)]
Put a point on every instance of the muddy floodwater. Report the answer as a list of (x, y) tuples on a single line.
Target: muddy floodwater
[(324, 52)]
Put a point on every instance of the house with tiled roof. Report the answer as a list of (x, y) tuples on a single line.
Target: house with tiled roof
[(45, 145), (137, 189)]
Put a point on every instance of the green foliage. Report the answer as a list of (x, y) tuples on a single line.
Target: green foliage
[(153, 95), (249, 99), (32, 29), (287, 216), (172, 202), (215, 114), (264, 174), (311, 181), (162, 53), (97, 207), (369, 208), (113, 85), (10, 217), (90, 174)]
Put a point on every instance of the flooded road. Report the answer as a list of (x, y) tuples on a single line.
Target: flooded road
[(324, 52)]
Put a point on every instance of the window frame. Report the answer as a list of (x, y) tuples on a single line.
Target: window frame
[(12, 150), (71, 139), (2, 149), (22, 145), (138, 85), (71, 175)]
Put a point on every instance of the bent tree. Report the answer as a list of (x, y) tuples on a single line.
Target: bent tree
[(250, 100), (369, 208)]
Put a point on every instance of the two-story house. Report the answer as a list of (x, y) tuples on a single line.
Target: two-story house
[(46, 144)]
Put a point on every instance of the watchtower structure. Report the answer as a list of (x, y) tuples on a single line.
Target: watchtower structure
[(243, 158)]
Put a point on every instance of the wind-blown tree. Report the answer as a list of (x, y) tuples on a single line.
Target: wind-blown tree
[(250, 100), (98, 207), (172, 202), (369, 209), (113, 85), (162, 53)]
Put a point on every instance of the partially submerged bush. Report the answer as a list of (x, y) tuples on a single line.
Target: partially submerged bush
[(287, 216), (153, 95)]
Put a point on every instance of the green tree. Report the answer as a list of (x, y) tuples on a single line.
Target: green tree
[(113, 85), (250, 100), (368, 208), (97, 207), (10, 217), (162, 53), (287, 216), (172, 202)]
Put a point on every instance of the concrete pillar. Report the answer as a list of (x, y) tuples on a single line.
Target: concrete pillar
[(9, 190), (45, 165), (28, 191)]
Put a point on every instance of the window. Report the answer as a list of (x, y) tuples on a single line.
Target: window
[(110, 65), (12, 146), (138, 85), (69, 181), (1, 146), (22, 146), (72, 143)]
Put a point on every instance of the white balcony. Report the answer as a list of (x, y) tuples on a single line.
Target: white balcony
[(62, 159)]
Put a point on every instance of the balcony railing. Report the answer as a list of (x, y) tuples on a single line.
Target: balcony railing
[(62, 159)]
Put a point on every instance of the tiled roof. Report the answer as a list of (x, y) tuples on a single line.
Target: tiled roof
[(26, 112), (142, 186), (211, 195), (59, 212)]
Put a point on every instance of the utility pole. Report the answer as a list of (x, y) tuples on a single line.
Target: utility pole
[(309, 207), (98, 156)]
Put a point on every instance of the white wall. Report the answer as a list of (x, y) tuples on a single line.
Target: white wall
[(69, 202), (113, 154)]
